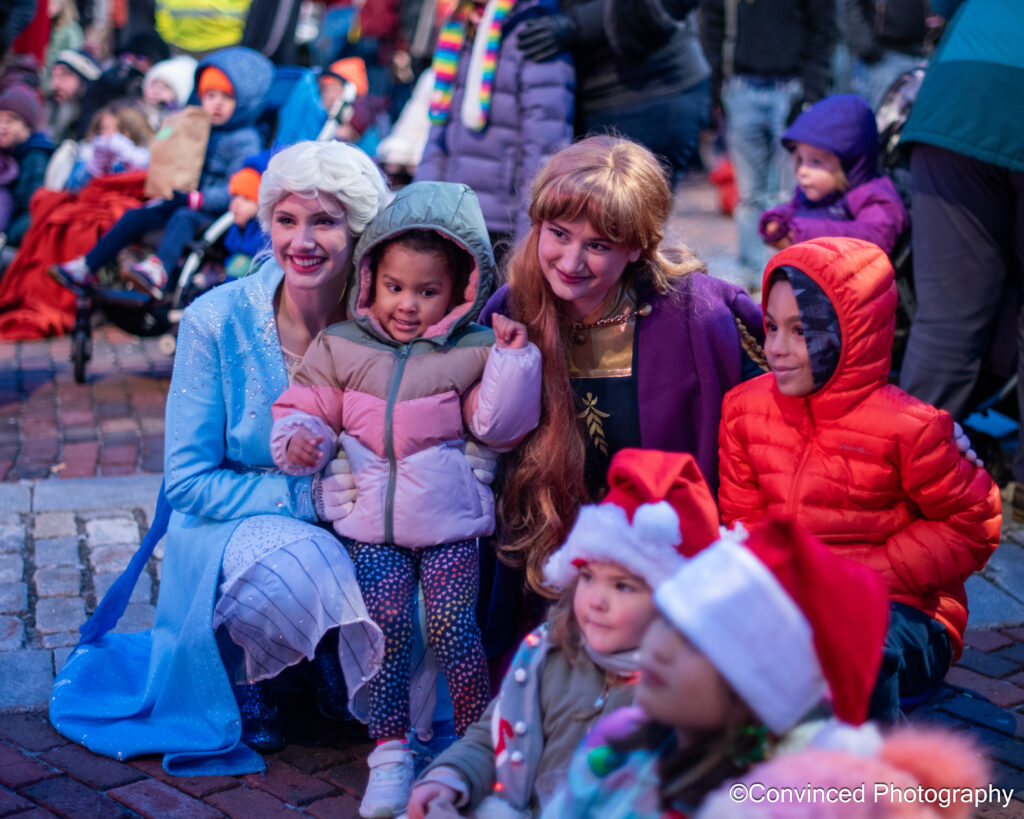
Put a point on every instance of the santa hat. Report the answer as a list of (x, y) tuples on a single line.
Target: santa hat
[(784, 620), (657, 512)]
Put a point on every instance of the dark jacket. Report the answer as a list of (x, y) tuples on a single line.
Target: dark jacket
[(874, 26), (687, 355), (630, 51), (32, 157), (531, 117), (237, 139), (774, 38)]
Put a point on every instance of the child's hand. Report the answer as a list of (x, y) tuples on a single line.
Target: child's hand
[(963, 443), (423, 795), (304, 448), (508, 333), (771, 227)]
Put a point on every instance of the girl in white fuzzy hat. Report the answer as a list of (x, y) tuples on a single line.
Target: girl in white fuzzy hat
[(761, 639), (167, 87), (583, 662)]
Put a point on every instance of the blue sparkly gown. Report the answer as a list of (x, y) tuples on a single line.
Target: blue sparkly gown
[(166, 690)]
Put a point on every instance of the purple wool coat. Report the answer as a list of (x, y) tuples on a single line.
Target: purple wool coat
[(686, 356)]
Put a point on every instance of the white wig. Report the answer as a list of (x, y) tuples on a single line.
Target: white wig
[(333, 170)]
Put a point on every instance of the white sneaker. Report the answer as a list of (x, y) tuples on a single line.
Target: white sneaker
[(391, 777), (74, 275), (148, 276)]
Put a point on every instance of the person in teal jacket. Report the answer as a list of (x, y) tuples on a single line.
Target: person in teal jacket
[(966, 140), (170, 690)]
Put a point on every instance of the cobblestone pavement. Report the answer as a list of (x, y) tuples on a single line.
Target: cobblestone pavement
[(62, 543)]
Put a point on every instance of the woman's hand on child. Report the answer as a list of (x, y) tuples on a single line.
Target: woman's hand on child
[(338, 491), (508, 333), (782, 244), (304, 448), (423, 795)]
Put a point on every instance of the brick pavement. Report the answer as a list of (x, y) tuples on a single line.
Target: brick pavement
[(62, 542), (111, 425)]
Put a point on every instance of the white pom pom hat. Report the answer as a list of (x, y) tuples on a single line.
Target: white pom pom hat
[(658, 511)]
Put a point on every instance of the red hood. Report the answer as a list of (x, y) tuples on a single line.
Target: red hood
[(857, 278)]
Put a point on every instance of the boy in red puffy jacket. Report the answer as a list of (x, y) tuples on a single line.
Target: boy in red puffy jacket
[(870, 470)]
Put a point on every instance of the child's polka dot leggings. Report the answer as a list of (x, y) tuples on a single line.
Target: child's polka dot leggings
[(450, 574)]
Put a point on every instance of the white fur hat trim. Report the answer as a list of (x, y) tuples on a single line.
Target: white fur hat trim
[(603, 533), (731, 607)]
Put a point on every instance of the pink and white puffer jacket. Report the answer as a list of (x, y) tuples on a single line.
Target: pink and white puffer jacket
[(398, 407)]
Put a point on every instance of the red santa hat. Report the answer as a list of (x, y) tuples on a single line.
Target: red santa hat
[(784, 620), (657, 512)]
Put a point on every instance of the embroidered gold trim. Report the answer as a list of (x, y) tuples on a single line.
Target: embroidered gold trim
[(593, 418)]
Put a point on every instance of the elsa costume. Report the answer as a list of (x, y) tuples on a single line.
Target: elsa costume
[(243, 551)]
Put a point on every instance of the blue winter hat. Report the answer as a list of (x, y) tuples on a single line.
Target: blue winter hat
[(844, 125)]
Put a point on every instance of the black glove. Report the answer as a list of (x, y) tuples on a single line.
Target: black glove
[(179, 199), (544, 37)]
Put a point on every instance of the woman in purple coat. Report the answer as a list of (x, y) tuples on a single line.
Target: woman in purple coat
[(639, 345)]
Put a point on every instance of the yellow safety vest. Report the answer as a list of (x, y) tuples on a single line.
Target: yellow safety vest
[(201, 25)]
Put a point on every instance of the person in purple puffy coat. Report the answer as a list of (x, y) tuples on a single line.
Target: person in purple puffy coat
[(495, 115), (839, 190)]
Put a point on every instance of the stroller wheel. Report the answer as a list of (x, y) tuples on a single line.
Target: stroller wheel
[(81, 352), (167, 344)]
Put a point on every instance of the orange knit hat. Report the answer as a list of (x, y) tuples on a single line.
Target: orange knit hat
[(352, 69), (213, 79), (246, 183)]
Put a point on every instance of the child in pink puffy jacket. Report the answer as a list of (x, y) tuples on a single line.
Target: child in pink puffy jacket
[(405, 383)]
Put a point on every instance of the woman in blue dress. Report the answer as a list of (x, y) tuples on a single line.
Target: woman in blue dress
[(250, 583)]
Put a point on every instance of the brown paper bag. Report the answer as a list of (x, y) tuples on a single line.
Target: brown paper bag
[(177, 152)]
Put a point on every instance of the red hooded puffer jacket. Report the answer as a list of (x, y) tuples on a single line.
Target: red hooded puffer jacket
[(870, 470)]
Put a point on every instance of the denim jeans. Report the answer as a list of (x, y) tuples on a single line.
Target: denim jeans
[(916, 657), (180, 226), (872, 80), (756, 109), (669, 125)]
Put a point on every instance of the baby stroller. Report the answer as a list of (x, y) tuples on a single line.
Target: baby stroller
[(892, 115), (292, 112)]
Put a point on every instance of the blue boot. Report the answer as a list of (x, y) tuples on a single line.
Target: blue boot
[(324, 673), (261, 728)]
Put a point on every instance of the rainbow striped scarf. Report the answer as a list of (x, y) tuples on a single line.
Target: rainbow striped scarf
[(483, 65)]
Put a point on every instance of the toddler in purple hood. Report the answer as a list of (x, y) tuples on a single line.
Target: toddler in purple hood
[(839, 190)]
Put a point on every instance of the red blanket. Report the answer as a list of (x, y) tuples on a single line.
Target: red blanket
[(32, 305)]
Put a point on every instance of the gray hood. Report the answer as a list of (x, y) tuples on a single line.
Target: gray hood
[(449, 209)]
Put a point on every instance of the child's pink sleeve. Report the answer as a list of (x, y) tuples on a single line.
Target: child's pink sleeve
[(313, 402), (505, 406)]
